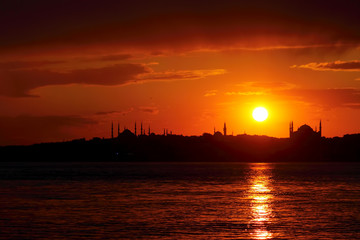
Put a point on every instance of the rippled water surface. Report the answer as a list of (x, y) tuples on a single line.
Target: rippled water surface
[(179, 201)]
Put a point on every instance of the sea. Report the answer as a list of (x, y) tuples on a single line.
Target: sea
[(179, 200)]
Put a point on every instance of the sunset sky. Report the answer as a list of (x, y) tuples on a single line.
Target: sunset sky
[(69, 68)]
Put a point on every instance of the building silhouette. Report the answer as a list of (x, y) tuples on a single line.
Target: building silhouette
[(112, 130), (304, 132)]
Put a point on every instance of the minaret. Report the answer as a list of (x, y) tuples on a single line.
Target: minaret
[(135, 128), (291, 128), (112, 130), (141, 129), (320, 128), (118, 129), (224, 128)]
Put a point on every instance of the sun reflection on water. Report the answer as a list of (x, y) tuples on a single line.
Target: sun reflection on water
[(261, 197)]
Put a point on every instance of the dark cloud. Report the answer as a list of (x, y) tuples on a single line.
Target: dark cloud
[(327, 98), (35, 129), (332, 66), (106, 113), (19, 83), (115, 112), (114, 57), (176, 25), (13, 65)]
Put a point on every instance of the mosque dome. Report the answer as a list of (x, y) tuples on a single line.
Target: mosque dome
[(305, 128)]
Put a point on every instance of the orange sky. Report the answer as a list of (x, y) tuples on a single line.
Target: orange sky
[(68, 69)]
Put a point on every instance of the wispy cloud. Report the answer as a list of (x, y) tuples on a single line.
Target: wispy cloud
[(265, 85), (150, 110), (211, 93), (124, 112), (181, 74), (250, 93), (332, 66)]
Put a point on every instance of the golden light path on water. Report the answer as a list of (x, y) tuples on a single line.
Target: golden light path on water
[(260, 194)]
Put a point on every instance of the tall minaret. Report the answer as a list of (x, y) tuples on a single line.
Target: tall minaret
[(118, 129), (149, 130), (112, 130), (320, 128), (141, 129), (291, 128), (135, 128), (224, 128)]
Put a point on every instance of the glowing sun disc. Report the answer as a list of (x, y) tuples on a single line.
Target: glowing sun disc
[(260, 114)]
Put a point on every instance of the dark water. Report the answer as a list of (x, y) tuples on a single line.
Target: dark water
[(179, 201)]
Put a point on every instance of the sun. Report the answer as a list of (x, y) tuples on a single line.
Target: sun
[(260, 114)]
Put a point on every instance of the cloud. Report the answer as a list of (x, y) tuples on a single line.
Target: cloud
[(15, 65), (327, 98), (267, 85), (257, 88), (111, 58), (146, 109), (181, 74), (124, 112), (352, 105), (18, 83), (332, 66), (151, 110), (30, 129), (154, 26), (211, 93), (244, 93)]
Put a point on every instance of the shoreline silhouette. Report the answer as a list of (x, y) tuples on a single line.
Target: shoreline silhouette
[(177, 148)]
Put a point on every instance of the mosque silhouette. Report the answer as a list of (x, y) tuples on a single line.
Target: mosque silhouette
[(304, 132)]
